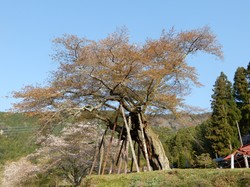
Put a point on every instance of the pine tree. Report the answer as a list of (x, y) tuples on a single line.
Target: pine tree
[(242, 97), (222, 130)]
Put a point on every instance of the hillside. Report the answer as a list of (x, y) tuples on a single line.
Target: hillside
[(175, 123), (16, 137)]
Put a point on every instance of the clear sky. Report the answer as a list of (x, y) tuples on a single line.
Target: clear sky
[(27, 28)]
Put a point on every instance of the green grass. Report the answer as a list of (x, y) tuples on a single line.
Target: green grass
[(173, 178)]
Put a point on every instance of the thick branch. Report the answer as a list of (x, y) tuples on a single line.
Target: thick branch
[(101, 81)]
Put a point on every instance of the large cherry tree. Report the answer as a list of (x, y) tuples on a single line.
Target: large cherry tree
[(113, 73)]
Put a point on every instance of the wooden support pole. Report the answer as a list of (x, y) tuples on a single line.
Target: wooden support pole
[(144, 143), (122, 160), (120, 165), (119, 154), (130, 139), (110, 142), (111, 166), (120, 157), (119, 146), (107, 153), (101, 158), (125, 154), (132, 162), (139, 156), (98, 152)]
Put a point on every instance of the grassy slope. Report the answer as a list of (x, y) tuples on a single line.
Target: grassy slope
[(175, 177), (19, 141)]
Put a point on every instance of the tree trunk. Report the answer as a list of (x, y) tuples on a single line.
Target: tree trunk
[(157, 157), (156, 154)]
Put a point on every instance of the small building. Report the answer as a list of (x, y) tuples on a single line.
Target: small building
[(241, 156)]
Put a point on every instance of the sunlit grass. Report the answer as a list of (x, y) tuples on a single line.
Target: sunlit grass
[(173, 178)]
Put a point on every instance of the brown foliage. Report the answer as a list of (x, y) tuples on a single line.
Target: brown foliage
[(150, 76)]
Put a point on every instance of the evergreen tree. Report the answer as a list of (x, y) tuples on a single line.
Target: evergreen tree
[(242, 97), (182, 154), (205, 145), (188, 146), (222, 130), (240, 86)]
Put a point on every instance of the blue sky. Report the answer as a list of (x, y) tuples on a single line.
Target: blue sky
[(27, 28)]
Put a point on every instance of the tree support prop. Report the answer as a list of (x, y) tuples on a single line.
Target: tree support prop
[(130, 140), (144, 143)]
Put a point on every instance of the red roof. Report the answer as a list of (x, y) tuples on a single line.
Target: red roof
[(244, 150)]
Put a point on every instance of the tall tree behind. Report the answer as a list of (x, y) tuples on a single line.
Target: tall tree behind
[(242, 97), (222, 130)]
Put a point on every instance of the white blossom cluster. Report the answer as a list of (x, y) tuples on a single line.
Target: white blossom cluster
[(16, 172)]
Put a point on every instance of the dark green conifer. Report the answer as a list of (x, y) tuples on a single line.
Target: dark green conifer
[(222, 129), (242, 97)]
